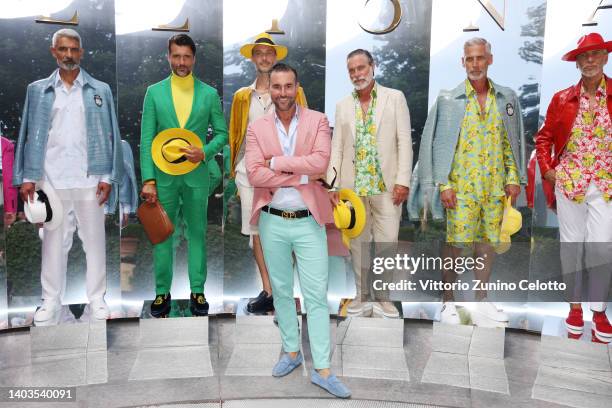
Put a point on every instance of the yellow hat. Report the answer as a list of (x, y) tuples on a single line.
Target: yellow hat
[(349, 215), (167, 154), (264, 39), (511, 224)]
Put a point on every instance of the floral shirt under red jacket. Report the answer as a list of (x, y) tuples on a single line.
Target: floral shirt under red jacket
[(582, 141)]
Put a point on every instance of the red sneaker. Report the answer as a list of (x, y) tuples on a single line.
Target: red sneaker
[(594, 338), (602, 329), (574, 322)]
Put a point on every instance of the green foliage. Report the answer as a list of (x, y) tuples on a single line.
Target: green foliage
[(404, 64)]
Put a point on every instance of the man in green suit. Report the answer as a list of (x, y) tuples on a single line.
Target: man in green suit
[(181, 101)]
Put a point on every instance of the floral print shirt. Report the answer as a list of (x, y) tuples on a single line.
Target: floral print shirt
[(588, 154), (483, 164), (368, 174)]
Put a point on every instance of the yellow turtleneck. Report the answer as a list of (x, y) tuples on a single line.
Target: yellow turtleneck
[(182, 96)]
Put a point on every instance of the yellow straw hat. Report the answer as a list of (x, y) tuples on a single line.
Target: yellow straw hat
[(264, 39), (167, 154), (349, 215), (511, 224)]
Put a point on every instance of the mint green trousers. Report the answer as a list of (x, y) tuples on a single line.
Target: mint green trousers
[(308, 240)]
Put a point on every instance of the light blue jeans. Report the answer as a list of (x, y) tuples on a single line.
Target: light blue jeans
[(308, 240)]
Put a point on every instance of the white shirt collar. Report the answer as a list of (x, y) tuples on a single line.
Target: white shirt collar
[(296, 116), (59, 83)]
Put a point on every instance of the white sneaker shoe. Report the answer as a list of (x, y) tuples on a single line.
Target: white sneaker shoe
[(357, 308), (448, 314), (486, 314), (386, 310), (48, 314), (98, 309)]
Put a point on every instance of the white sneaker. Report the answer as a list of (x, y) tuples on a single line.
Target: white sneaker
[(386, 310), (486, 314), (98, 309), (448, 314), (48, 314), (357, 308)]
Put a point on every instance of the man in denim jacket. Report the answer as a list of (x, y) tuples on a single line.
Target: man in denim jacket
[(472, 154), (69, 138)]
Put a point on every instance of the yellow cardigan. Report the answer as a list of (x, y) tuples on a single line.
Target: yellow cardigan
[(239, 118)]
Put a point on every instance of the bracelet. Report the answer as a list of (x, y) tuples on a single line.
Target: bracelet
[(149, 182)]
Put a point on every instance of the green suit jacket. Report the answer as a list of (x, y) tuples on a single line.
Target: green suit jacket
[(158, 114)]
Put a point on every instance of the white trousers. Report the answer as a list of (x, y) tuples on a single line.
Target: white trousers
[(589, 223), (382, 227), (81, 211), (246, 191)]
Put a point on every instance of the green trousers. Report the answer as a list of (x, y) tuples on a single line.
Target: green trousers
[(308, 241), (192, 204)]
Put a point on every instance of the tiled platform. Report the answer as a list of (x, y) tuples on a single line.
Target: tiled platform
[(574, 373), (520, 371), (468, 357), (173, 348), (372, 348), (257, 346)]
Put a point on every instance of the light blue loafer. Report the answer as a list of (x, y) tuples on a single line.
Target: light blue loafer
[(287, 364), (330, 384)]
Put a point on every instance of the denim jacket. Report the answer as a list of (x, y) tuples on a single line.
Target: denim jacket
[(128, 189), (439, 141), (103, 140)]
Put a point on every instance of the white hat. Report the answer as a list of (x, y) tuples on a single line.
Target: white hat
[(46, 207)]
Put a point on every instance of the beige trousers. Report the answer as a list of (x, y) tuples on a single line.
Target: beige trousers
[(382, 228)]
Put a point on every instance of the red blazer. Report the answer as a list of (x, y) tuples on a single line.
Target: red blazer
[(557, 127), (311, 157), (10, 192), (549, 190)]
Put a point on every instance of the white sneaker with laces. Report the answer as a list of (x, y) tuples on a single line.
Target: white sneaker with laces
[(98, 309), (486, 314), (448, 314), (385, 309), (48, 314), (357, 308)]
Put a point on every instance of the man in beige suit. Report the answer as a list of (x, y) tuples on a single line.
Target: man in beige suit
[(372, 155)]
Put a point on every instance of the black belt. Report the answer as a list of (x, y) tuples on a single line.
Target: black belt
[(287, 214)]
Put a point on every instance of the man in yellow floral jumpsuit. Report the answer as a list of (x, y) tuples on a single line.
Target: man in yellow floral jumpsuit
[(472, 148)]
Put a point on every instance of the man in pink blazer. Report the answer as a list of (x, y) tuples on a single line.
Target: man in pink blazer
[(286, 152)]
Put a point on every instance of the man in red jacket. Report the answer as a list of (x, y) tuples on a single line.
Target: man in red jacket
[(578, 129)]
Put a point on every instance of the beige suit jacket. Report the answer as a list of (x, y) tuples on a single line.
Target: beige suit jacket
[(393, 140)]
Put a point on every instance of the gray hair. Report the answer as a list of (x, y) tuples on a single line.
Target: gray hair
[(478, 41), (66, 32), (360, 51)]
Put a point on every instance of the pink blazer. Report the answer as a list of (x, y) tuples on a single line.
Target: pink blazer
[(10, 192), (311, 157)]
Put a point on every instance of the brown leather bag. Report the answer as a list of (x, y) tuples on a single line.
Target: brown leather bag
[(155, 221)]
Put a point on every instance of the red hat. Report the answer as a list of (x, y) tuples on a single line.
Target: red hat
[(593, 41)]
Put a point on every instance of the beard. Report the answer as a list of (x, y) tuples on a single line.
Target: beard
[(367, 80), (477, 76), (290, 102), (69, 65), (181, 71), (264, 70), (591, 72)]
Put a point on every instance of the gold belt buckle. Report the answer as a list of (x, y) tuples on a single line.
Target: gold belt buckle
[(288, 214)]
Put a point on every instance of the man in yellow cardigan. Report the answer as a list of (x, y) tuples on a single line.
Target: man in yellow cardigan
[(249, 104)]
